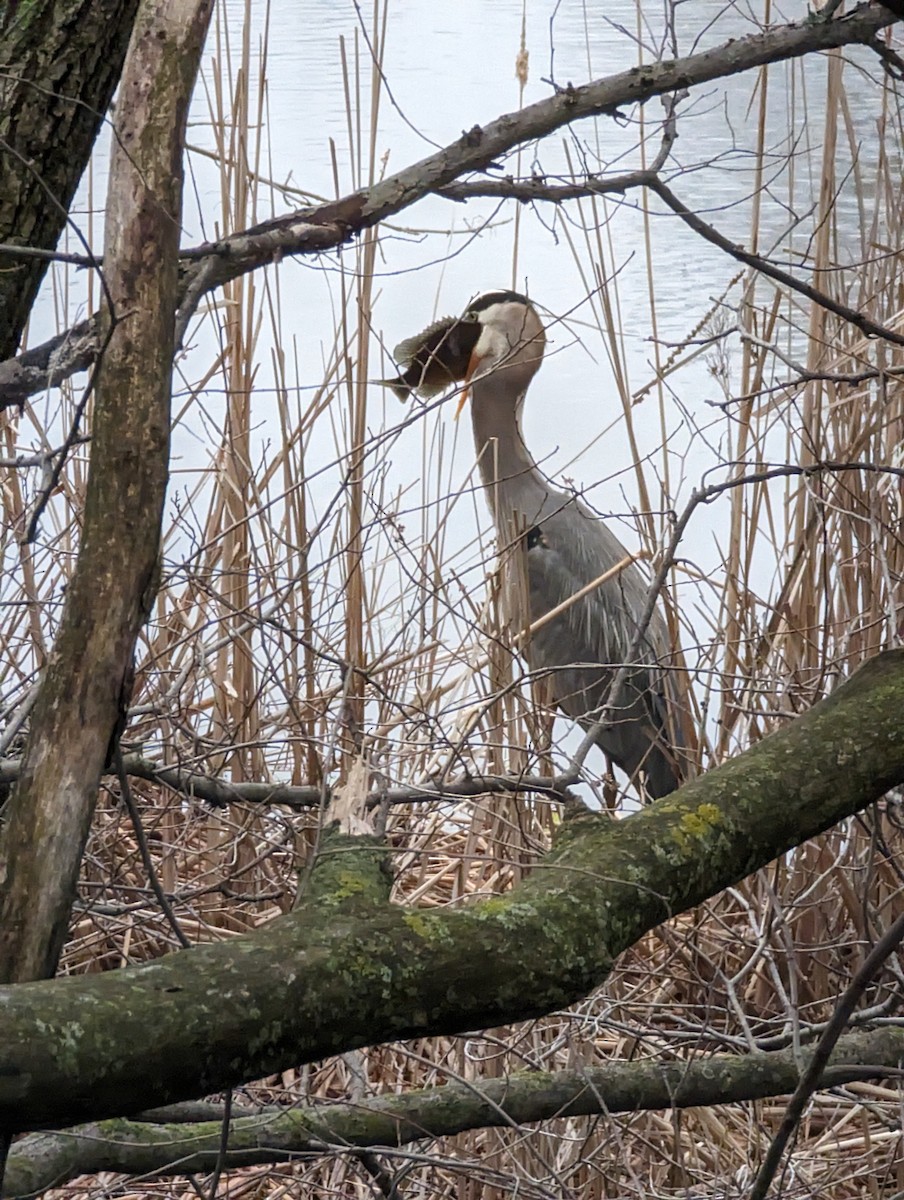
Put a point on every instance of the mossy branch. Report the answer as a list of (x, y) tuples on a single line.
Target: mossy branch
[(47, 1160), (318, 982)]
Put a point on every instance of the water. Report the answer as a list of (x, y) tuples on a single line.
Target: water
[(449, 67)]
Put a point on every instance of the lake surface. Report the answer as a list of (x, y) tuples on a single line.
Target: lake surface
[(610, 278)]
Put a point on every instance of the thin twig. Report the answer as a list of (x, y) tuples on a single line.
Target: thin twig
[(53, 470), (22, 461), (385, 1180), (224, 1144), (758, 263), (809, 1080), (11, 250), (144, 850)]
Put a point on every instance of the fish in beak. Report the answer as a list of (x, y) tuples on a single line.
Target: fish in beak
[(435, 359)]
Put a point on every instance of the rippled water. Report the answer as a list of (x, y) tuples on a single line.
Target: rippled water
[(446, 68)]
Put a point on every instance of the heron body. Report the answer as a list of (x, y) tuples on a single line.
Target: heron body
[(554, 547)]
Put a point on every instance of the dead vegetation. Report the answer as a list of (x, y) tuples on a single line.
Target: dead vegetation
[(316, 613)]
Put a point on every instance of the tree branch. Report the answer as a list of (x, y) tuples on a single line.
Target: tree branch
[(758, 263), (48, 1160), (328, 978), (326, 227)]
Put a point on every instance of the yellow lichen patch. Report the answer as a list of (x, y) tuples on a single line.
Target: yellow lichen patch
[(418, 923), (696, 824)]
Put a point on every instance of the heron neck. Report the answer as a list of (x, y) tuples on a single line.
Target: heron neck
[(501, 452)]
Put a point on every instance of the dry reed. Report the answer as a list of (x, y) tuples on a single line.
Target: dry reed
[(314, 614)]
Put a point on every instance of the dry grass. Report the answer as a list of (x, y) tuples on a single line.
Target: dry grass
[(314, 614)]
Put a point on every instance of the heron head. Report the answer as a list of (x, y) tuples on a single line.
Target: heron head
[(509, 346), (500, 335)]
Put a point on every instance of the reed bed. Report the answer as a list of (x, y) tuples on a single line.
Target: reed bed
[(315, 616)]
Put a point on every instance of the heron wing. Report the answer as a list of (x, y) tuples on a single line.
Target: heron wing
[(567, 549)]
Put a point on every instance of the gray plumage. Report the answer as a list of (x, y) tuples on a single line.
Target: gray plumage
[(556, 546)]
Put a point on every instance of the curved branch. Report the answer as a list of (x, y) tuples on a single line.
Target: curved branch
[(346, 970), (758, 263), (541, 190), (47, 1160), (328, 226)]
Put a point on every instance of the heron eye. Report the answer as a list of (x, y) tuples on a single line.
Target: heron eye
[(472, 315)]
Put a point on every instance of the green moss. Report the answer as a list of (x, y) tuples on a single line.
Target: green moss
[(348, 884), (348, 873), (702, 820)]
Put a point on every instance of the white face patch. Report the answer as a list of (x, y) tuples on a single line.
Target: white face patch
[(502, 333)]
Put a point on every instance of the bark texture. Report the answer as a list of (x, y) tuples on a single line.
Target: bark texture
[(275, 1135), (325, 227), (62, 60), (346, 969), (113, 583)]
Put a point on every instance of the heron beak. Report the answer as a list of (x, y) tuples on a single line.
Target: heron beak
[(473, 363)]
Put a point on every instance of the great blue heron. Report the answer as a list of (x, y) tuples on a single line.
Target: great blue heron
[(495, 349)]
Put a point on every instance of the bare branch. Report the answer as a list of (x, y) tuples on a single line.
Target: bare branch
[(809, 1079), (22, 461), (326, 227), (163, 1142), (693, 221)]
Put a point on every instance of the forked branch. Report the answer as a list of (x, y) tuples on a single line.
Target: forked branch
[(323, 228)]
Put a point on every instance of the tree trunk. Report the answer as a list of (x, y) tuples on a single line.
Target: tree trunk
[(64, 59), (114, 580)]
